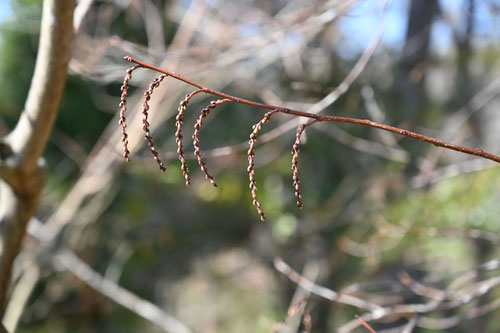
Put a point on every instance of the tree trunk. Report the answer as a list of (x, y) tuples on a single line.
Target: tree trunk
[(415, 54)]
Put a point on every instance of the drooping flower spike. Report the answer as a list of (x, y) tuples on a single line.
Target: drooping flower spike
[(196, 137), (251, 159), (224, 97), (123, 109), (178, 133), (147, 132), (295, 163)]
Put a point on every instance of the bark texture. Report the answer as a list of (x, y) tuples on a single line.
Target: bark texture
[(22, 171)]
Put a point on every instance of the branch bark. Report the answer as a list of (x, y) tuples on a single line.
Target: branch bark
[(22, 171)]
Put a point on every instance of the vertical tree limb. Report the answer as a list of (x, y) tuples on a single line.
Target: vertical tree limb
[(22, 172)]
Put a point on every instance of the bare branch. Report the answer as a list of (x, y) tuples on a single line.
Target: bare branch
[(30, 136), (119, 294), (315, 118), (21, 170), (21, 294), (324, 118), (323, 292), (366, 146), (460, 292)]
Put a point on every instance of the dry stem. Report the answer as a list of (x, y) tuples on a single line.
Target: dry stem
[(321, 118), (253, 136)]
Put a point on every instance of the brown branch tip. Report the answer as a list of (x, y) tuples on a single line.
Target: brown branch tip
[(253, 136), (365, 324)]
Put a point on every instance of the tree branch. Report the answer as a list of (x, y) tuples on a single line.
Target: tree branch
[(118, 294), (21, 170), (322, 118)]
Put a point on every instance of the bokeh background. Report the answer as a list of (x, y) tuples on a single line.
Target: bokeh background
[(387, 219)]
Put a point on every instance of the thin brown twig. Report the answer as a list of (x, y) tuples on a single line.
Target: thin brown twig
[(365, 324), (453, 124), (366, 146), (321, 118), (178, 133), (196, 137)]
